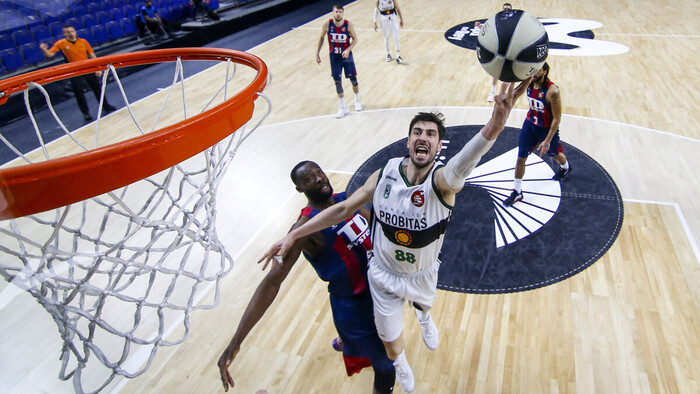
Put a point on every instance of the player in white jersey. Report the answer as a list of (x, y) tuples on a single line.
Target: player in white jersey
[(408, 228), (389, 9)]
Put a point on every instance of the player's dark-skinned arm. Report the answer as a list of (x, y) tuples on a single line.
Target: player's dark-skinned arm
[(264, 295), (353, 42), (324, 31), (554, 100), (326, 218)]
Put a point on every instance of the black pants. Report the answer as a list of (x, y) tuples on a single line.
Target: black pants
[(78, 83)]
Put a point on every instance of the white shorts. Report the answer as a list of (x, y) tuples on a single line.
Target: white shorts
[(390, 25), (389, 291)]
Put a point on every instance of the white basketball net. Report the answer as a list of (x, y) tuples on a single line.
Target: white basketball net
[(120, 273)]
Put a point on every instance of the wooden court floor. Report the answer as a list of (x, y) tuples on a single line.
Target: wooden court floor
[(630, 323)]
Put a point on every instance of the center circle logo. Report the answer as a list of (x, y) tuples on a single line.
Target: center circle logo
[(567, 37), (558, 230)]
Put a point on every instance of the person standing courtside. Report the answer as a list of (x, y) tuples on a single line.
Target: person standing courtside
[(341, 40), (540, 130), (75, 49), (389, 9), (412, 199), (339, 256)]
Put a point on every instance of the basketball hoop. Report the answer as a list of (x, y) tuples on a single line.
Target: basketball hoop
[(125, 228)]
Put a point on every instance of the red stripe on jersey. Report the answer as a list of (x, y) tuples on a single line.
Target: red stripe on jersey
[(306, 211), (351, 264)]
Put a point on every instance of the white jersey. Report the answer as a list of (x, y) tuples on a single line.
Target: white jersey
[(386, 5), (409, 221)]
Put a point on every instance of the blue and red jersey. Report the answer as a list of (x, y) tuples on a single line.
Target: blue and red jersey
[(343, 262), (540, 112), (338, 37)]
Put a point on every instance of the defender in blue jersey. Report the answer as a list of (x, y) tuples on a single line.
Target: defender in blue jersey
[(540, 131), (341, 40), (339, 255)]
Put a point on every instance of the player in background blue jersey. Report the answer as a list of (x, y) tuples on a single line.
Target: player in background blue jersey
[(341, 40), (540, 131), (339, 256)]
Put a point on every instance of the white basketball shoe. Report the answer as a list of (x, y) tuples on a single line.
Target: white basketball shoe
[(358, 106), (342, 111), (404, 373), (430, 332)]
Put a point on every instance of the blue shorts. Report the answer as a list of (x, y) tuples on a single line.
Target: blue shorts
[(338, 64), (532, 135), (354, 319)]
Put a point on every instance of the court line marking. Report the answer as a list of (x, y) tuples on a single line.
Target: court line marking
[(140, 357), (515, 110), (649, 35), (596, 34), (681, 217)]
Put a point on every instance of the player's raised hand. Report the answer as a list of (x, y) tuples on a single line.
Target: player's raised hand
[(505, 100), (224, 361), (277, 251)]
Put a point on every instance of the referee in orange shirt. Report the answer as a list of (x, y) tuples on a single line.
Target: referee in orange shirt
[(75, 49)]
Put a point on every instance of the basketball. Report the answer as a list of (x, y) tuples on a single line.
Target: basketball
[(513, 45)]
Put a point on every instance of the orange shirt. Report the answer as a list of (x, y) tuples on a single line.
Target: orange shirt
[(75, 51)]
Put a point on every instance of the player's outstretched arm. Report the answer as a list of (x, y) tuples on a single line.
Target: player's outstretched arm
[(450, 179), (326, 218), (264, 295)]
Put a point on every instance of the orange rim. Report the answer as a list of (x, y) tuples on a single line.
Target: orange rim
[(51, 184)]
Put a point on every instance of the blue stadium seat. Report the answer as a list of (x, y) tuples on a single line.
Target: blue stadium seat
[(88, 21), (2, 69), (22, 37), (41, 33), (31, 53), (94, 8), (118, 13), (6, 42), (100, 34), (104, 17), (127, 26), (13, 24), (31, 21), (56, 29), (65, 16), (115, 30), (79, 11), (50, 17), (130, 11), (76, 23), (57, 7), (86, 35), (11, 59)]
